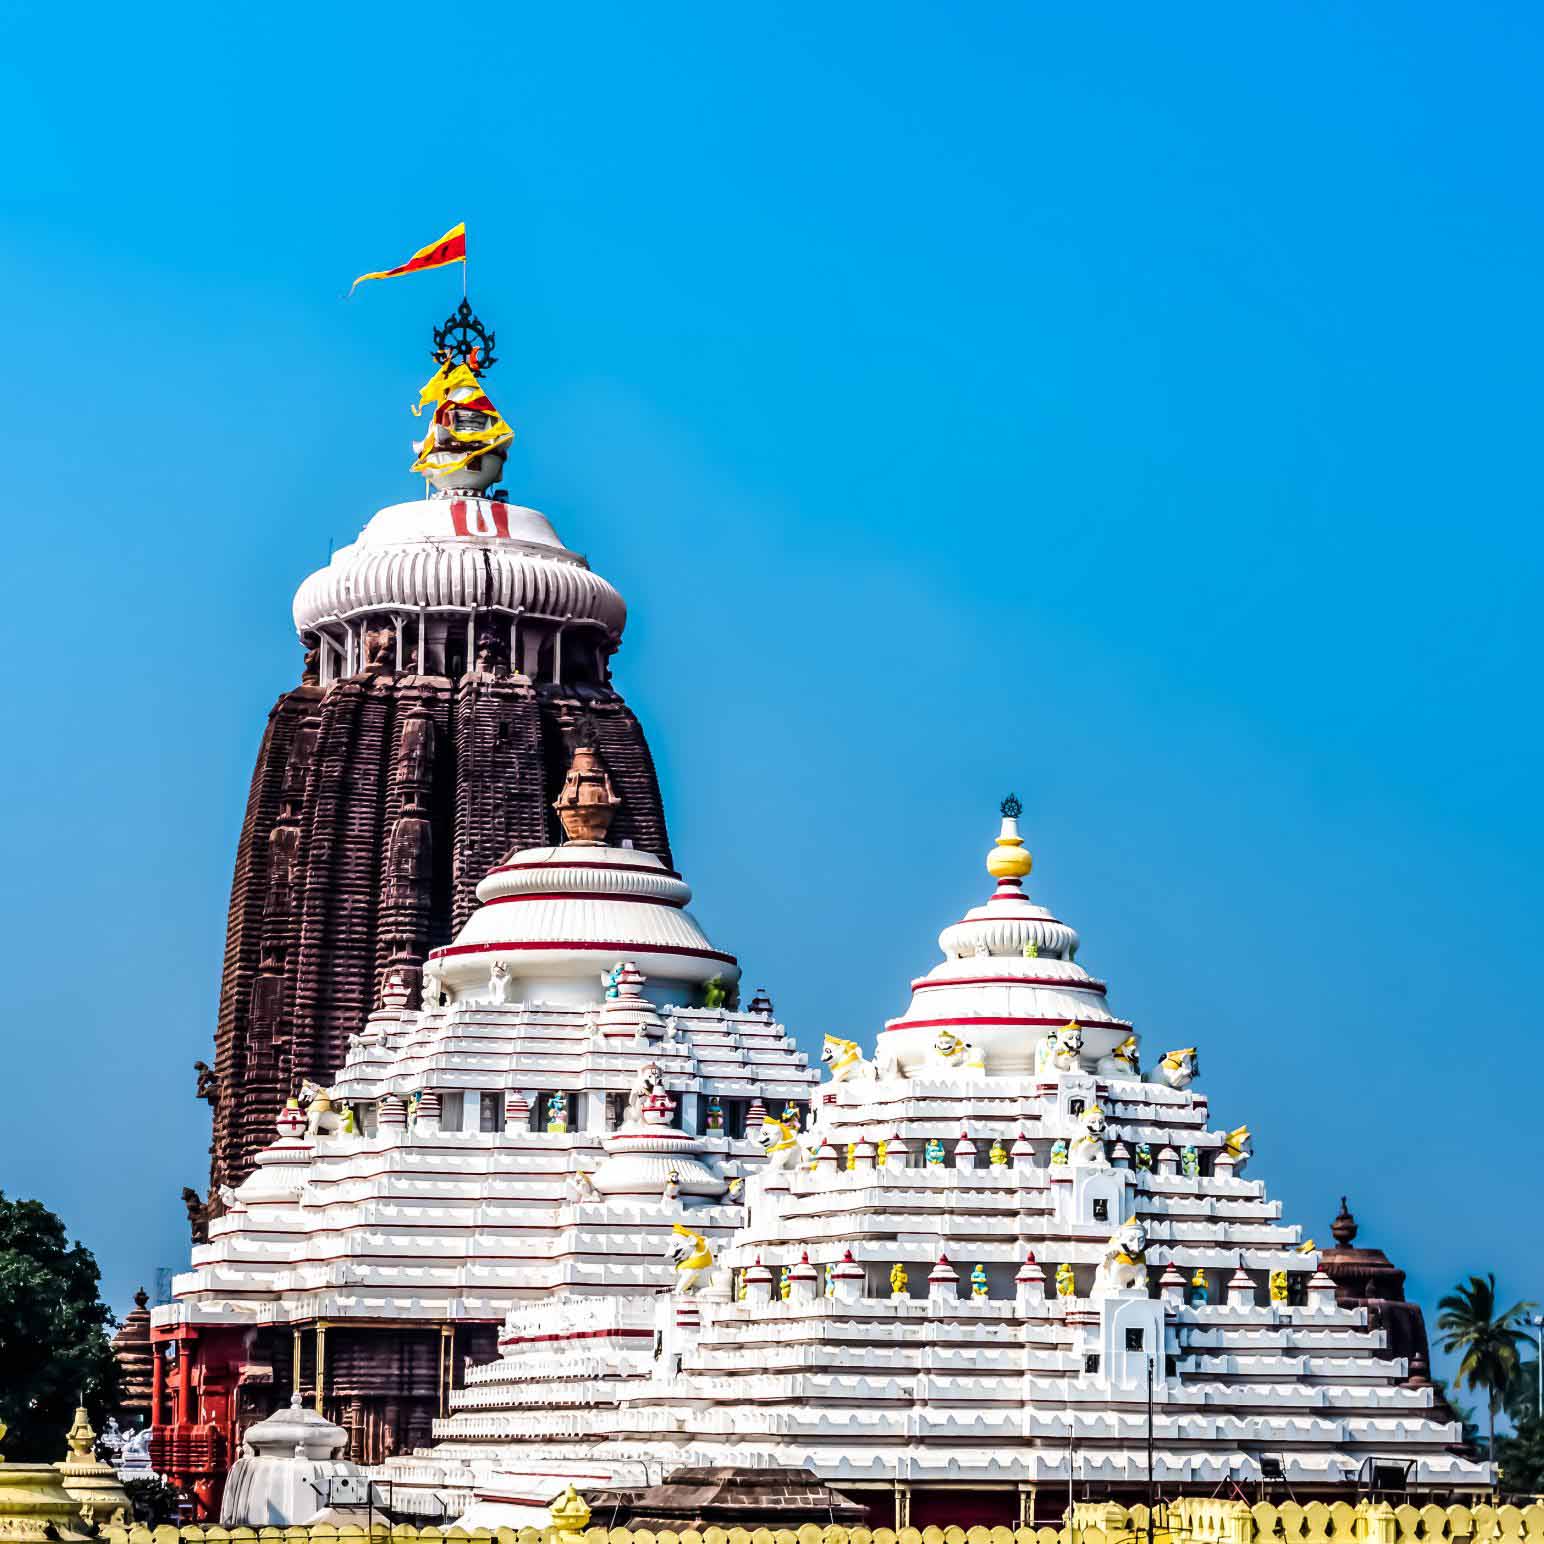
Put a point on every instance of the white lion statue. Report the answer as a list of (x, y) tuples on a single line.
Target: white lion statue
[(1177, 1069), (650, 1081), (845, 1062), (1124, 1265), (500, 983), (952, 1054), (1121, 1062), (780, 1142), (1060, 1050), (323, 1118), (692, 1258), (1086, 1149)]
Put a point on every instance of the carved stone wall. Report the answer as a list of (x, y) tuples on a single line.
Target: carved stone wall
[(377, 805)]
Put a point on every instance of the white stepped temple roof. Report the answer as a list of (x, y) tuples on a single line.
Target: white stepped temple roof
[(450, 1171), (995, 1234)]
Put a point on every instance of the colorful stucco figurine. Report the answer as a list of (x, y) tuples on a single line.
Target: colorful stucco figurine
[(715, 1113), (978, 1282), (1066, 1282), (557, 1112), (1278, 1286), (933, 1153), (784, 1287), (714, 993), (790, 1115), (1058, 1152), (1189, 1162), (898, 1280), (1198, 1288), (1144, 1158), (881, 1152), (998, 1156), (852, 1156), (1031, 950)]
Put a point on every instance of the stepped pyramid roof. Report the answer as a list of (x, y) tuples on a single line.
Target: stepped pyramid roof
[(1001, 1245)]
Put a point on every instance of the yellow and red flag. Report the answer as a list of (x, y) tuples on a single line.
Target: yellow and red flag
[(450, 248)]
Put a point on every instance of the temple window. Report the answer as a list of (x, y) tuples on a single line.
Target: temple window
[(1136, 1339), (1101, 1209), (616, 1106), (1091, 1362), (490, 1112), (451, 1110)]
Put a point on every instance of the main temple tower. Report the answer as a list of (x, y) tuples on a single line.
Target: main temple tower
[(455, 654)]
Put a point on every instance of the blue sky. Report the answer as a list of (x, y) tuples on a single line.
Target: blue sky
[(1133, 407)]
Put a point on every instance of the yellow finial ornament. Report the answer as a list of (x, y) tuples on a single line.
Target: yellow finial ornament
[(1009, 859)]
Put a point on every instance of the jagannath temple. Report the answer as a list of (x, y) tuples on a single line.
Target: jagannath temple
[(510, 1193)]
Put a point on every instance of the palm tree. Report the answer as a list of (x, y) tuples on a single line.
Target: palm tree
[(1489, 1342)]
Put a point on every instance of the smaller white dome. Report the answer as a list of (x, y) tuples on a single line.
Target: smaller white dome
[(558, 918)]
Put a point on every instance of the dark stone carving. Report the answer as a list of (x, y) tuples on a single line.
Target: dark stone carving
[(208, 1083), (198, 1214), (376, 806)]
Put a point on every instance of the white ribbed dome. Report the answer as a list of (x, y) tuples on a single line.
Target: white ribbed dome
[(459, 552), (558, 918), (990, 992)]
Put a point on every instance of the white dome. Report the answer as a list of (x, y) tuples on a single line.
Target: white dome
[(458, 552), (990, 992), (558, 918)]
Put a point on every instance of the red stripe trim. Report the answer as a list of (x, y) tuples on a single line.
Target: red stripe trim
[(584, 863), (923, 984), (585, 895), (612, 1334), (983, 1019), (609, 946)]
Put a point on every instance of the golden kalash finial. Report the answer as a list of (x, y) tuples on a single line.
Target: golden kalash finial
[(568, 1514), (588, 801), (80, 1438), (1009, 859)]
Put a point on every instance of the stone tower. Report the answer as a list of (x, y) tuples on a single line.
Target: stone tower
[(456, 654)]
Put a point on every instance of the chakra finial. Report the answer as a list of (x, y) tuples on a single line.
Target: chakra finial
[(461, 338), (1009, 860)]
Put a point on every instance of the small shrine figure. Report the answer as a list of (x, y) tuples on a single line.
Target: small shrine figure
[(1031, 950), (1059, 1153), (741, 1286), (997, 1156), (1199, 1289), (852, 1156), (1189, 1162), (1066, 1282), (613, 980), (1143, 1162), (672, 1190), (790, 1115), (978, 1282), (830, 1278), (898, 1280), (784, 1286), (714, 993), (736, 1189), (933, 1153), (879, 1153), (1278, 1286), (557, 1113), (715, 1115)]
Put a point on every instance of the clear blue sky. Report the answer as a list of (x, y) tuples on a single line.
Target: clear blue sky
[(1135, 407)]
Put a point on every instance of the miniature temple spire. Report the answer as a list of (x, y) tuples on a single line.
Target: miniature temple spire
[(588, 801)]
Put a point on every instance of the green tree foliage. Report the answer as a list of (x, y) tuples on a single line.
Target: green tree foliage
[(53, 1333), (1522, 1458), (1488, 1343)]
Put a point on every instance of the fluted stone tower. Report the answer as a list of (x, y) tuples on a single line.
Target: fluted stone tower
[(455, 655)]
